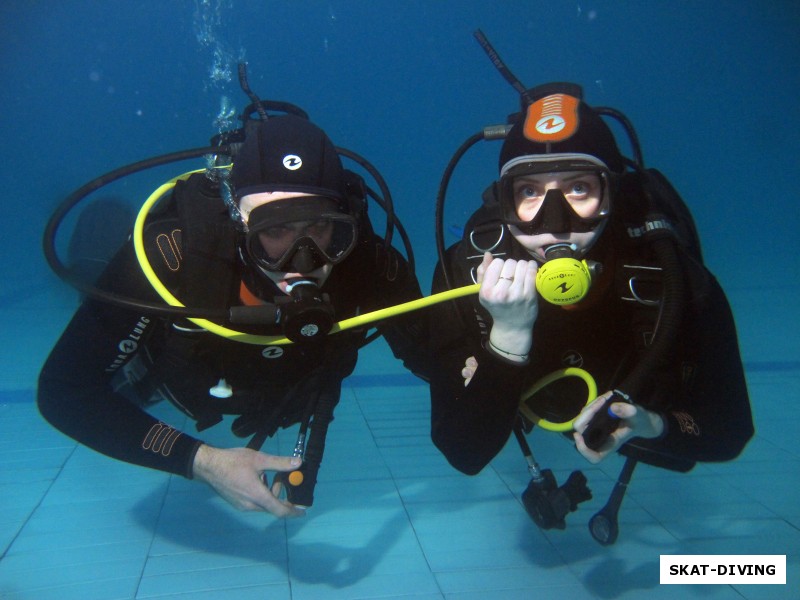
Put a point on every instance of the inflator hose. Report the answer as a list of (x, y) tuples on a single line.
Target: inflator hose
[(440, 196)]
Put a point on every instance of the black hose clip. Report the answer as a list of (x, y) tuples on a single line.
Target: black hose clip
[(548, 505)]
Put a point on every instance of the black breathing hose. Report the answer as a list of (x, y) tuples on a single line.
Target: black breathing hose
[(440, 197)]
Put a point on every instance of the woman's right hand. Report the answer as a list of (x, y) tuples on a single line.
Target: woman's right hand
[(238, 475), (508, 292)]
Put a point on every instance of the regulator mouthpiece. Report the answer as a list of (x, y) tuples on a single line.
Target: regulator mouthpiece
[(308, 316), (564, 279)]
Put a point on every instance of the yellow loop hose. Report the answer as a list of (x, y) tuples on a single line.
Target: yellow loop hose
[(547, 380)]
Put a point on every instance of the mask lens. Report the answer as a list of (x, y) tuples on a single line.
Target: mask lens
[(277, 234), (526, 203)]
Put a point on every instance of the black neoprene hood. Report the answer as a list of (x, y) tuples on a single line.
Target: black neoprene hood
[(289, 154)]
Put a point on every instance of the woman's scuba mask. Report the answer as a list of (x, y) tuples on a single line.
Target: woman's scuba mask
[(555, 215)]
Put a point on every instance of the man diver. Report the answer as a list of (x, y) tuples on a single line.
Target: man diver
[(301, 240), (565, 193)]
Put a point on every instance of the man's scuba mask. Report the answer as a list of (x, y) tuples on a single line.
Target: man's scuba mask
[(299, 235)]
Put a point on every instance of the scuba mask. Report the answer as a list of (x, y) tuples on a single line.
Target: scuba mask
[(564, 278), (555, 215), (299, 234)]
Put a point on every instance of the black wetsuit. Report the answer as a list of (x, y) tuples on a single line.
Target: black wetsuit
[(700, 389), (77, 392)]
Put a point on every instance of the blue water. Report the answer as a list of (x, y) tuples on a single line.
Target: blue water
[(89, 86)]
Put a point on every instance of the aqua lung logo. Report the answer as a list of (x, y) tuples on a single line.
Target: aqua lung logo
[(272, 352), (292, 162), (570, 358), (550, 125), (563, 287), (129, 345), (551, 119)]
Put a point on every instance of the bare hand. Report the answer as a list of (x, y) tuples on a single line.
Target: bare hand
[(636, 421), (508, 292), (238, 475)]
